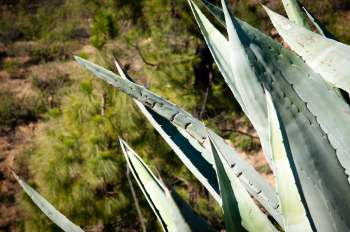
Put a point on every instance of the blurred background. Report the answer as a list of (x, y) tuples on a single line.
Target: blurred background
[(59, 126)]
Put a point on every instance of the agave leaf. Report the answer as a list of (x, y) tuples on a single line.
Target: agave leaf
[(327, 57), (295, 218), (295, 13), (173, 214), (192, 154), (220, 53), (215, 11), (55, 216), (217, 43), (196, 222), (240, 211), (252, 180), (318, 141), (219, 15), (319, 26)]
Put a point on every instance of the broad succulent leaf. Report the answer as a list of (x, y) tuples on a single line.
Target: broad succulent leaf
[(294, 214), (327, 57), (318, 140), (192, 154), (53, 214), (295, 13), (250, 178), (173, 214), (240, 211)]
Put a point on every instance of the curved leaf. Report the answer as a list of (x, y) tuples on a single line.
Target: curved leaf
[(192, 154), (55, 216), (253, 181), (173, 215)]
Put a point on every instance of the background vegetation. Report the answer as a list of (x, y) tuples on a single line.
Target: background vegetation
[(71, 154)]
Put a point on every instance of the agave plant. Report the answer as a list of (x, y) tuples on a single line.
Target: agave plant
[(292, 99)]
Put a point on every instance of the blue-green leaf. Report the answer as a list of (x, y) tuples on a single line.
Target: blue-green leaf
[(172, 212), (240, 211), (55, 216), (192, 154), (318, 140), (327, 57), (295, 13), (252, 180), (295, 218), (218, 45)]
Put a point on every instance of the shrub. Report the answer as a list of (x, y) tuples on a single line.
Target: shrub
[(103, 28)]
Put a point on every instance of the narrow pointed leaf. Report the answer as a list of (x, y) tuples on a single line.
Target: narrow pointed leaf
[(240, 211), (318, 141), (295, 218), (219, 15), (173, 215), (55, 216), (319, 26), (215, 11), (239, 60), (217, 44), (327, 57), (295, 13), (253, 181), (191, 153), (176, 137), (220, 53)]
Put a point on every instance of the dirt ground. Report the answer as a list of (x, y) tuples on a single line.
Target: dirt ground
[(12, 145)]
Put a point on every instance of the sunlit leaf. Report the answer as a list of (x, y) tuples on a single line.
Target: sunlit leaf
[(172, 212), (253, 181), (318, 140), (295, 218), (240, 211), (55, 216)]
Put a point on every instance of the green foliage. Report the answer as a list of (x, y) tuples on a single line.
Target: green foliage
[(244, 142), (79, 147), (11, 67), (14, 111), (41, 51), (77, 160), (103, 28), (49, 20), (55, 216), (7, 108)]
